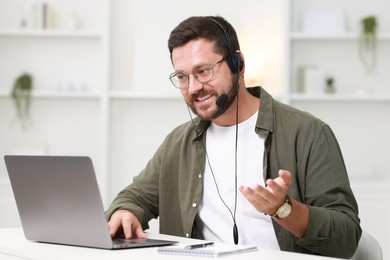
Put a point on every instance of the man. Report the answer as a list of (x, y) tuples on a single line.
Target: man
[(247, 169)]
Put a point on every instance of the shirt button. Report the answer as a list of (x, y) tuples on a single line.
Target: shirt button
[(200, 176), (187, 235), (194, 205)]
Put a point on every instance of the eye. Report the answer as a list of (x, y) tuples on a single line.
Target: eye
[(202, 71), (181, 76)]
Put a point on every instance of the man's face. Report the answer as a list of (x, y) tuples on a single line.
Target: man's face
[(201, 97)]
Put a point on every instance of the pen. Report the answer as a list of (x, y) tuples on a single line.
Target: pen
[(199, 245)]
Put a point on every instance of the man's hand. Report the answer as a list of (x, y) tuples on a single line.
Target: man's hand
[(268, 199), (127, 222)]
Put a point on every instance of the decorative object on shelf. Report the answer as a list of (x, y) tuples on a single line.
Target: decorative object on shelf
[(329, 85), (367, 42), (21, 95), (364, 90), (73, 20), (37, 16)]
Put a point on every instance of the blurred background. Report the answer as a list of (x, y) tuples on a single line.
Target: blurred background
[(90, 77)]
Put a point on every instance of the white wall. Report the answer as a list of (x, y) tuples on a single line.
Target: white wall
[(140, 32)]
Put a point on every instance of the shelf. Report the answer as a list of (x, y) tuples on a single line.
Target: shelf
[(49, 33), (93, 95), (339, 97), (57, 94), (346, 36), (118, 94)]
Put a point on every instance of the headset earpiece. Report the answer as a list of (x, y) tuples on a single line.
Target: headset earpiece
[(239, 62), (235, 62), (234, 59)]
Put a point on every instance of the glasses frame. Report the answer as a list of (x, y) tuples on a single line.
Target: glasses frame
[(178, 86)]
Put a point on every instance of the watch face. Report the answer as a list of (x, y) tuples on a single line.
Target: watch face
[(284, 211)]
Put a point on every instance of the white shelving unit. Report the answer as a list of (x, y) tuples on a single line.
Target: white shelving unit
[(337, 54), (69, 64), (359, 120)]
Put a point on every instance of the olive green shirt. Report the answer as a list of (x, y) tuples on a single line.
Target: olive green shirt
[(170, 186)]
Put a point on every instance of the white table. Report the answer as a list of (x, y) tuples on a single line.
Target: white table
[(13, 245)]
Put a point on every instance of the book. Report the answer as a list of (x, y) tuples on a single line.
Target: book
[(205, 250)]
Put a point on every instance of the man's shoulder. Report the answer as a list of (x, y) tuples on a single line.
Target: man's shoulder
[(184, 130), (293, 114)]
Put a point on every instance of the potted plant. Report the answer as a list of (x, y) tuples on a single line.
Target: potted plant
[(367, 42), (21, 95), (329, 82)]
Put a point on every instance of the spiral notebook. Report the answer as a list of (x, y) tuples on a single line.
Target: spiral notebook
[(216, 250)]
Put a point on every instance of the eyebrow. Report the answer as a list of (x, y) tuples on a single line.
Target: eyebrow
[(197, 66)]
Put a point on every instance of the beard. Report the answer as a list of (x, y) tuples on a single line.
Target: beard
[(219, 110)]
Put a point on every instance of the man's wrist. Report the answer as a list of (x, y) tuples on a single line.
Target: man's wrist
[(284, 210)]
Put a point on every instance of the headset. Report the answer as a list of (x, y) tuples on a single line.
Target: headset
[(235, 63)]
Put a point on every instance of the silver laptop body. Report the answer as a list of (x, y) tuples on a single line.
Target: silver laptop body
[(58, 200)]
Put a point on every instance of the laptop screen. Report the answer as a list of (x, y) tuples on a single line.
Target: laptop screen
[(59, 201)]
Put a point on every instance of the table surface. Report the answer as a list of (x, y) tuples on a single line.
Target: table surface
[(13, 245)]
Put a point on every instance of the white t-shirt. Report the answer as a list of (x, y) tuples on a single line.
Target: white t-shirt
[(214, 219)]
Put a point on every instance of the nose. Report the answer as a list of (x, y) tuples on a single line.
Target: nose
[(194, 86)]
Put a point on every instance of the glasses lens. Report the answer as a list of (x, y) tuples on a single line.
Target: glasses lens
[(204, 73), (179, 79)]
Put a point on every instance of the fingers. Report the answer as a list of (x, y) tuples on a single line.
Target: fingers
[(286, 177), (259, 197), (281, 183), (131, 226), (275, 187), (139, 232), (114, 224), (268, 199), (126, 222)]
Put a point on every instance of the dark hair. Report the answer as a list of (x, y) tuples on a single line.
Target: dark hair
[(203, 27)]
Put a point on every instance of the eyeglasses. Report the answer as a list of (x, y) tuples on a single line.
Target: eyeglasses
[(203, 74)]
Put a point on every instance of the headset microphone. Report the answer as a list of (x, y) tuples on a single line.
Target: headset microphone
[(222, 100)]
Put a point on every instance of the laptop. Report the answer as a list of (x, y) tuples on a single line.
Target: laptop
[(59, 202)]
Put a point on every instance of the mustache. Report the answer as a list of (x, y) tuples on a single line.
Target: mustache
[(201, 94)]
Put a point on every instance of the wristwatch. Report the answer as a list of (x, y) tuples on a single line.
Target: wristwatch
[(284, 210)]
